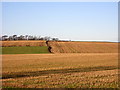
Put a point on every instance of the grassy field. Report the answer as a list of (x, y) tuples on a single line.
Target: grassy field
[(85, 70), (25, 50)]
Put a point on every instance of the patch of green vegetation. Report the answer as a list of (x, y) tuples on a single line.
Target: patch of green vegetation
[(14, 88), (25, 50), (71, 85), (8, 87)]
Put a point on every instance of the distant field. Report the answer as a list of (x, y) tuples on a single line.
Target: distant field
[(23, 43), (25, 50), (85, 70), (68, 47), (84, 47)]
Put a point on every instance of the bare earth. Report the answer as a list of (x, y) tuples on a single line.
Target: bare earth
[(68, 70)]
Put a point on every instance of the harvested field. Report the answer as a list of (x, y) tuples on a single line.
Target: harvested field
[(75, 70), (84, 47), (23, 43), (68, 47)]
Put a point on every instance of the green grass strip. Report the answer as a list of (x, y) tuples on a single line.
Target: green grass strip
[(25, 50)]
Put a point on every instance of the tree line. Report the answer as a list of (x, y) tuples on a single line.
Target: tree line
[(26, 37)]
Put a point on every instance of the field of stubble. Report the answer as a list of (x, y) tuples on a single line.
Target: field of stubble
[(80, 70), (83, 47)]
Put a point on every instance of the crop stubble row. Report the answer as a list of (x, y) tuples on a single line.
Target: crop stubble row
[(83, 47), (75, 70)]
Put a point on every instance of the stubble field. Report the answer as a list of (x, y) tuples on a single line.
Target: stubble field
[(68, 70), (23, 43), (84, 47)]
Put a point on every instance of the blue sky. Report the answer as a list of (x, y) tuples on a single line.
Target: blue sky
[(81, 21)]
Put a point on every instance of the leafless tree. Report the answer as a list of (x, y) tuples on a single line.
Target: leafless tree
[(4, 37)]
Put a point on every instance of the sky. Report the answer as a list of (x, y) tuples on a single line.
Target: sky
[(76, 21)]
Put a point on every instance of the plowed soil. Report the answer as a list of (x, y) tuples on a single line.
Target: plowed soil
[(83, 47)]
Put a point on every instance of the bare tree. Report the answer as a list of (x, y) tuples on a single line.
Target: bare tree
[(55, 39), (47, 38), (10, 38), (26, 37), (14, 37), (0, 38), (5, 37), (30, 37), (21, 37)]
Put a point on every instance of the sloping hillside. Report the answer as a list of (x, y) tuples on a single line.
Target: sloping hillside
[(83, 47), (68, 47)]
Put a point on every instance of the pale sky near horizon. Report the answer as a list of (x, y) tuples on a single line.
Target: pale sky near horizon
[(81, 21)]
